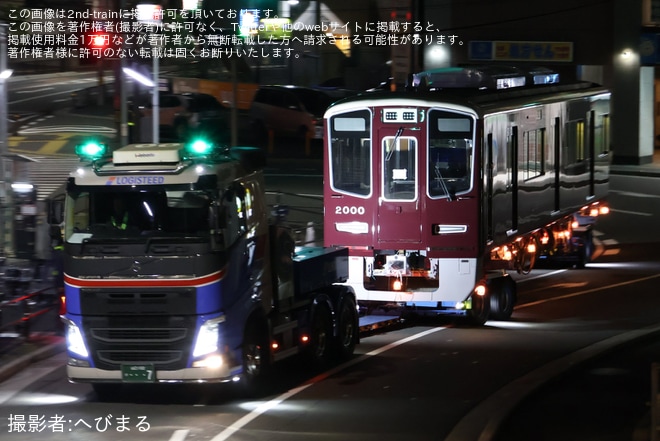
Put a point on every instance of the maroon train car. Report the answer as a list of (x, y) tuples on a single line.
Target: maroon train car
[(439, 190)]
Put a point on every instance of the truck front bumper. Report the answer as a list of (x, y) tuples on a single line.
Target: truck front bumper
[(77, 374)]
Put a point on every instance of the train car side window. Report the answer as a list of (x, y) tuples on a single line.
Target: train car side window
[(574, 150), (603, 135), (533, 154)]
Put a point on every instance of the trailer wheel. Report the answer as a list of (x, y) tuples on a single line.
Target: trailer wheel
[(480, 311), (319, 350), (585, 251), (502, 298), (347, 328)]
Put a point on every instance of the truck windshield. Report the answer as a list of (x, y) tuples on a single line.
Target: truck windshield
[(112, 214)]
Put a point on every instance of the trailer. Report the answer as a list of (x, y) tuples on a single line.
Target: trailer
[(440, 190)]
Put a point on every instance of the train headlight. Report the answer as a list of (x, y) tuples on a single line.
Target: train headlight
[(208, 338)]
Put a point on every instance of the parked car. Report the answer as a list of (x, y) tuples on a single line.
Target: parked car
[(185, 114), (289, 111)]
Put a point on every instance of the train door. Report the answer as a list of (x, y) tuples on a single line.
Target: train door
[(399, 216), (512, 225)]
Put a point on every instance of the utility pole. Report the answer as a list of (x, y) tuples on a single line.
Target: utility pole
[(123, 96), (6, 205)]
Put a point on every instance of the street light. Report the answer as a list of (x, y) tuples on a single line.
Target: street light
[(137, 76), (153, 85)]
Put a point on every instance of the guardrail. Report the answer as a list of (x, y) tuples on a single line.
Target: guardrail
[(19, 307)]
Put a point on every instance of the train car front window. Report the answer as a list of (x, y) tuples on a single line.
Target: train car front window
[(399, 168), (350, 153), (450, 153)]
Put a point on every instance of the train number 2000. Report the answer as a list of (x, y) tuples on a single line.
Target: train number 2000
[(349, 209)]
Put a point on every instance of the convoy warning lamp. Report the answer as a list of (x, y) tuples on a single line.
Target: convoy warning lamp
[(91, 150), (199, 147)]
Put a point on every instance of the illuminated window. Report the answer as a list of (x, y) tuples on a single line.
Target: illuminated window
[(399, 168), (449, 153), (350, 153)]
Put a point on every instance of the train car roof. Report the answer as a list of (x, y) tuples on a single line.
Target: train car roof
[(482, 101)]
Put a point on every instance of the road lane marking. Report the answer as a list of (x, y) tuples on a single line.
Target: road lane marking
[(43, 89), (179, 435), (66, 129), (588, 291), (636, 213), (265, 407), (53, 146), (634, 194), (540, 276), (40, 96)]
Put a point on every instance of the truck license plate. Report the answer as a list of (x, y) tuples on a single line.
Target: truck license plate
[(138, 373)]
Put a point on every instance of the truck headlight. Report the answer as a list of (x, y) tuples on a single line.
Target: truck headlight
[(75, 343), (208, 337)]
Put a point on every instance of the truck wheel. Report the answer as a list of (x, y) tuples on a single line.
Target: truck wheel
[(502, 298), (480, 311), (585, 251), (321, 337), (347, 328), (255, 359)]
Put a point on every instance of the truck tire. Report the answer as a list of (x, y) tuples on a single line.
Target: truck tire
[(320, 346), (585, 251), (480, 311), (347, 328), (502, 298), (255, 359)]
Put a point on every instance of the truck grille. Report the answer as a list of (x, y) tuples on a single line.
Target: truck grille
[(164, 341), (158, 358)]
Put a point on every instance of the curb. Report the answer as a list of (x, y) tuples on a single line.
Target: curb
[(639, 171)]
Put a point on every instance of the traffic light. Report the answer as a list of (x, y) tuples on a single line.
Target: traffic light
[(99, 41), (97, 45)]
